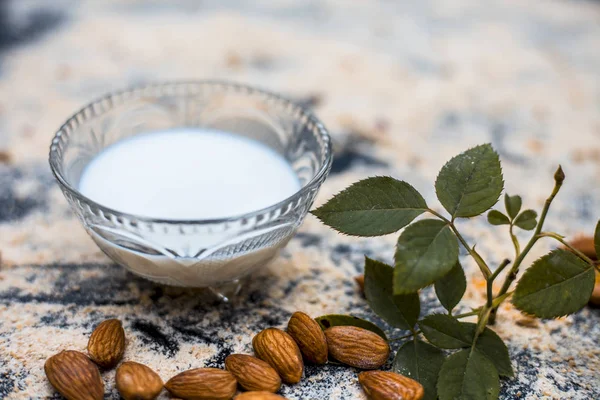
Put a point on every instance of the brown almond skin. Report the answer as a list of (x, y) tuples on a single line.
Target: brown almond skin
[(585, 244), (258, 396), (357, 347), (136, 381), (107, 343), (309, 336), (383, 385), (252, 373), (360, 281), (74, 376), (203, 384), (281, 352)]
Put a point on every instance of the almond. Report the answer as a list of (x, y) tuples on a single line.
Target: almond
[(585, 244), (203, 384), (253, 373), (107, 343), (381, 385), (360, 281), (281, 352), (136, 381), (74, 376), (309, 336), (357, 347), (258, 396)]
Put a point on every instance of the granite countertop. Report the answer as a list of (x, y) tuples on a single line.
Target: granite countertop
[(402, 86)]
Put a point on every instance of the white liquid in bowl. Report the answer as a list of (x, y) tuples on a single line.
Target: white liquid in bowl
[(188, 174)]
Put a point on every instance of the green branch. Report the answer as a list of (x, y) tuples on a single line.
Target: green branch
[(485, 270), (567, 245), (490, 281), (515, 241), (415, 333), (469, 314), (500, 268), (559, 177), (482, 321)]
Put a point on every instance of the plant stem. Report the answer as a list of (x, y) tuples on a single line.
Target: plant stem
[(500, 268), (415, 333), (567, 245), (482, 321), (515, 241), (512, 274), (515, 268), (490, 281), (485, 270), (469, 314), (498, 300)]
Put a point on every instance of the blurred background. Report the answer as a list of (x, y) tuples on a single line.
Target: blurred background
[(431, 70)]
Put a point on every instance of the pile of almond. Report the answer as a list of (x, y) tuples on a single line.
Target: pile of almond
[(280, 356)]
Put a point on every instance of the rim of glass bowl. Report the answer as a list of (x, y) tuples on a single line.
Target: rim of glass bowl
[(114, 99)]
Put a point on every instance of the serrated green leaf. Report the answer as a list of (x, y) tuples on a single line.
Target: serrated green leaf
[(445, 331), (327, 321), (470, 183), (526, 220), (597, 240), (372, 207), (451, 287), (513, 205), (426, 251), (493, 347), (495, 217), (400, 311), (422, 362), (468, 375), (557, 284)]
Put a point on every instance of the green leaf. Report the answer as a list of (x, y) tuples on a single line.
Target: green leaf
[(327, 321), (422, 362), (468, 375), (557, 284), (493, 347), (513, 205), (526, 220), (495, 217), (426, 251), (444, 331), (451, 287), (372, 207), (597, 240), (400, 311), (470, 183)]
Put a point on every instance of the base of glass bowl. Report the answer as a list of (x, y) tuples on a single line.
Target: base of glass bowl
[(228, 291), (223, 277)]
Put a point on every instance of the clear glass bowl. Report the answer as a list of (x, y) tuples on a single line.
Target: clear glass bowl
[(196, 253)]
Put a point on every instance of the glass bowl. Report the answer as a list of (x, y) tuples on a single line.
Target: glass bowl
[(213, 253)]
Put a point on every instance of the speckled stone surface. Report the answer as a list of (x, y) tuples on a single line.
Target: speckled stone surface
[(403, 86)]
